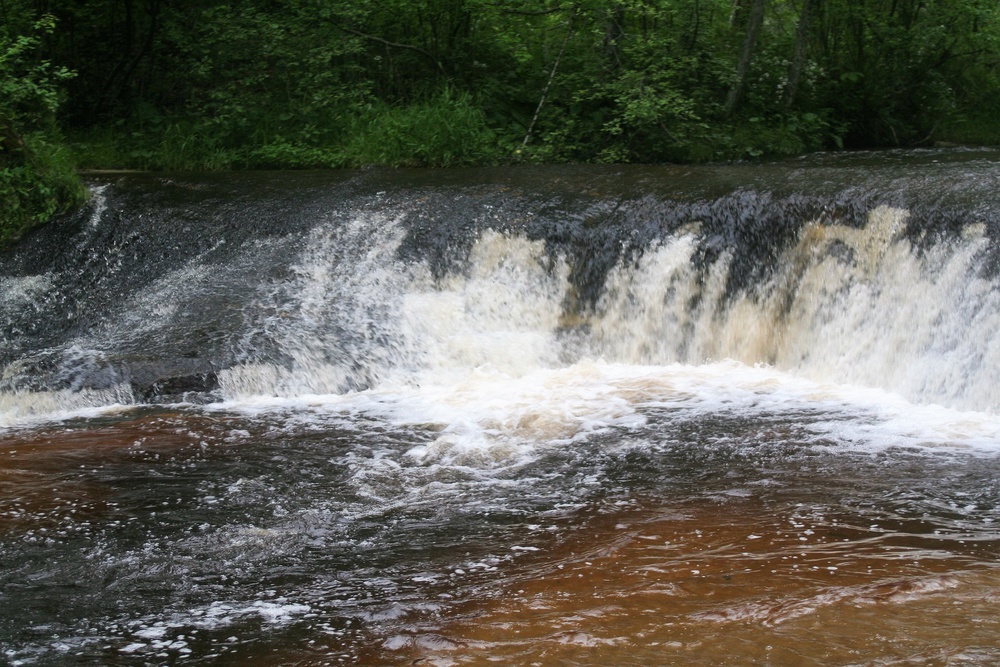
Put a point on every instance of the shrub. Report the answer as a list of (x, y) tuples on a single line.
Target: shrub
[(447, 130), (37, 177)]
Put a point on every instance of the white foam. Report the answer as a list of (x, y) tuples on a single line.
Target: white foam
[(917, 323), (491, 419), (29, 408), (19, 291), (897, 345)]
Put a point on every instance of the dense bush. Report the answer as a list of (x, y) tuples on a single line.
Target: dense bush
[(312, 83), (37, 177)]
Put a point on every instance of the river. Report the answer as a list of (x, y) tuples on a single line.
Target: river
[(742, 414)]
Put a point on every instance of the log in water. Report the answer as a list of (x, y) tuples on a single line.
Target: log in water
[(742, 414)]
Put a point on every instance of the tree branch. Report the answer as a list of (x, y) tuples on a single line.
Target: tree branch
[(396, 45), (524, 12)]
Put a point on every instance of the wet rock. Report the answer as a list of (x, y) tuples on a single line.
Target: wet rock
[(194, 388)]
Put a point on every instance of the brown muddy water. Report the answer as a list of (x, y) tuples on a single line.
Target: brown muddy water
[(740, 415)]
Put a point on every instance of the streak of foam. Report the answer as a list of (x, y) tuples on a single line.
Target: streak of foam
[(19, 292), (776, 612), (24, 408)]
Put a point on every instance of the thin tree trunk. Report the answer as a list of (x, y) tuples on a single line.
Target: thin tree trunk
[(754, 24), (548, 84), (614, 30), (801, 51), (693, 40)]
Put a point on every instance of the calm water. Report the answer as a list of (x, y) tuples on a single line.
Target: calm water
[(541, 416)]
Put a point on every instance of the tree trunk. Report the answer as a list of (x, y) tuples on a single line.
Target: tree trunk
[(614, 30), (801, 51), (754, 24)]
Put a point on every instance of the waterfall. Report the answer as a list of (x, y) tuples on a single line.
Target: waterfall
[(169, 291)]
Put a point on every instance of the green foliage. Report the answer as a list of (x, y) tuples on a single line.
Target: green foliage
[(186, 84), (445, 131), (37, 187), (37, 178), (897, 73)]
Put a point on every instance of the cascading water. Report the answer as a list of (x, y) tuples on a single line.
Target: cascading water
[(318, 418)]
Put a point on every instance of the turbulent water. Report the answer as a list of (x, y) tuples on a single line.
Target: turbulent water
[(739, 414)]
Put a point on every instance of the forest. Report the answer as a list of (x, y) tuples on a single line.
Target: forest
[(282, 84)]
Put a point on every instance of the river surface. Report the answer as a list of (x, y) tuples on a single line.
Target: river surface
[(739, 414)]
